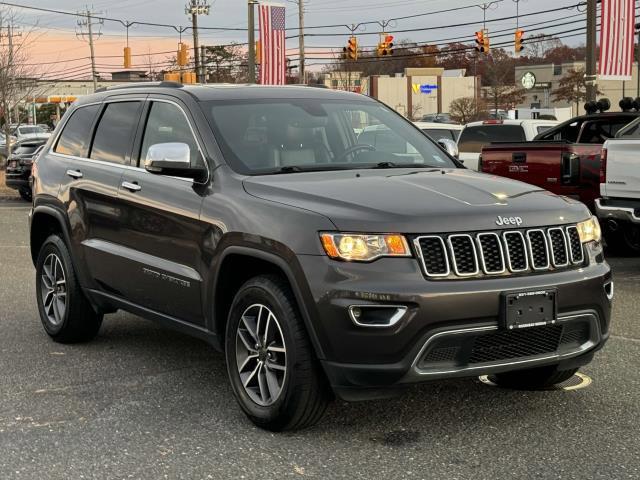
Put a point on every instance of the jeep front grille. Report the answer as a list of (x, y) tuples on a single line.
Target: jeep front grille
[(499, 253)]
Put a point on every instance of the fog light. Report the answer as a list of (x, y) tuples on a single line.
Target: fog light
[(379, 316)]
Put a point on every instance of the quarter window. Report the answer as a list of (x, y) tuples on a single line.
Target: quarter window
[(115, 132), (168, 124), (76, 136)]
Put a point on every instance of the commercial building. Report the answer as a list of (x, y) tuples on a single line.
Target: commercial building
[(539, 81)]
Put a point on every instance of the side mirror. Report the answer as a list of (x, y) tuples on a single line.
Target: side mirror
[(449, 146), (172, 159)]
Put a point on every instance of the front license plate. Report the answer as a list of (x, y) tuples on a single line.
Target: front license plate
[(528, 309)]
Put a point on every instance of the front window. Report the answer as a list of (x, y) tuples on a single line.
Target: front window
[(289, 135)]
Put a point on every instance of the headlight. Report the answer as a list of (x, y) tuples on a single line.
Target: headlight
[(589, 230), (363, 247)]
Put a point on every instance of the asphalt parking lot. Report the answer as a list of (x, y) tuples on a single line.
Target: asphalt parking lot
[(144, 402)]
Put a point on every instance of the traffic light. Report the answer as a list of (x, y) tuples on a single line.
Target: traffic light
[(519, 37), (385, 47), (351, 50), (183, 54), (482, 41), (127, 57)]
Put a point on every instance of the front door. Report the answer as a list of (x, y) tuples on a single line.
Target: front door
[(161, 223)]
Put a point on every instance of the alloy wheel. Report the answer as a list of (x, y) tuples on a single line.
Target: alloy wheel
[(53, 289), (261, 356)]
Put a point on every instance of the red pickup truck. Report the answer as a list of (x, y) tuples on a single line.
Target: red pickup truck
[(565, 159)]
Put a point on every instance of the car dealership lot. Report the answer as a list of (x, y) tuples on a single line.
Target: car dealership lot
[(144, 402)]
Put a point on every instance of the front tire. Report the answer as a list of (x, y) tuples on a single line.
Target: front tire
[(25, 194), (625, 241), (533, 378), (66, 314), (270, 361)]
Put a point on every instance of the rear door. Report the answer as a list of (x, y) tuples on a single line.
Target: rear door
[(96, 158), (160, 224)]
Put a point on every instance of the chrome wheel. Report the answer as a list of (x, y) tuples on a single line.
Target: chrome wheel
[(261, 356), (53, 289)]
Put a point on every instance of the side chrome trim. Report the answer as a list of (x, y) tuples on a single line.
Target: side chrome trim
[(551, 249), (418, 247), (546, 246), (482, 255), (144, 259), (524, 250), (455, 261), (395, 318)]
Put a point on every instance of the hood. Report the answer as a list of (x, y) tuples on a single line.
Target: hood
[(416, 201)]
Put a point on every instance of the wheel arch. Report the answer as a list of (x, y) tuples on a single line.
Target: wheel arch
[(45, 221), (237, 265)]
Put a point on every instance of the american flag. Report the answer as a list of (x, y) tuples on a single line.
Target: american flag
[(616, 39), (273, 64)]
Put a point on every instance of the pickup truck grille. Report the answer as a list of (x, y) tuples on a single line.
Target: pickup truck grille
[(487, 254)]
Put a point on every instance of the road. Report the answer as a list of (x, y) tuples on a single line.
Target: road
[(144, 402)]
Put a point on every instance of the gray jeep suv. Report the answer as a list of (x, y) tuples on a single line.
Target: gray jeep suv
[(319, 239)]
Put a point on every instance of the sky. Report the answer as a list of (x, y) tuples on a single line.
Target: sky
[(56, 47)]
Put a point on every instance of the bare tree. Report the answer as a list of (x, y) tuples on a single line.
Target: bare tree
[(502, 92), (19, 79), (466, 109)]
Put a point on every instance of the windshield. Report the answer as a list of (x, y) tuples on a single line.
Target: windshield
[(30, 130), (290, 135)]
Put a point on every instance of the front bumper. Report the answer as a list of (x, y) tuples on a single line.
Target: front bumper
[(363, 362), (618, 209)]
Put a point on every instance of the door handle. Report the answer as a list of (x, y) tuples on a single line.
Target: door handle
[(132, 187), (75, 174)]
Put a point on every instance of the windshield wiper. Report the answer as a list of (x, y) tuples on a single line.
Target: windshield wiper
[(290, 169), (385, 165)]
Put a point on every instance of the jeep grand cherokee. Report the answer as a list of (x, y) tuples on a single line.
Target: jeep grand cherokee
[(257, 219)]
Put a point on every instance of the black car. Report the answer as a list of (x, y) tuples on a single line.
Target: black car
[(19, 164), (257, 219)]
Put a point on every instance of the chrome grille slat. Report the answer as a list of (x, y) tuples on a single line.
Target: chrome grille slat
[(462, 255), (558, 247)]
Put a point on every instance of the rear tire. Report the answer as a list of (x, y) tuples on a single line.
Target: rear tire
[(625, 241), (66, 314), (274, 374), (534, 378), (25, 194)]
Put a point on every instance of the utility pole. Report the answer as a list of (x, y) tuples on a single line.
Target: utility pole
[(86, 20), (301, 47), (638, 63), (195, 8), (590, 74), (251, 61)]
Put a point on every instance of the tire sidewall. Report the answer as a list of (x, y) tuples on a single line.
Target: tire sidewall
[(247, 296), (53, 245)]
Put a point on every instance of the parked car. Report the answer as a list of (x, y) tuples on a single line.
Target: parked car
[(564, 159), (255, 219), (440, 130), (30, 131), (619, 205), (437, 118), (476, 135), (19, 165)]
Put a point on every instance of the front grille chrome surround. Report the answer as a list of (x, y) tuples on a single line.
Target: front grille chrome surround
[(492, 254), (539, 259), (520, 243), (457, 245)]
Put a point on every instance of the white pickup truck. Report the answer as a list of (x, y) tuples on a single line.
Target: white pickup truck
[(476, 135), (619, 207)]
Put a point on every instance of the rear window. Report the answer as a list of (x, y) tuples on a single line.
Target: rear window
[(600, 132), (30, 131), (25, 149), (473, 139), (630, 131), (76, 135), (114, 134), (438, 133)]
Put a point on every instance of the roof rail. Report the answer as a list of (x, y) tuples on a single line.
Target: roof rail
[(122, 86)]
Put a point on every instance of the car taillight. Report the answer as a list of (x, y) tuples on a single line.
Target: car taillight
[(603, 166), (493, 122)]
